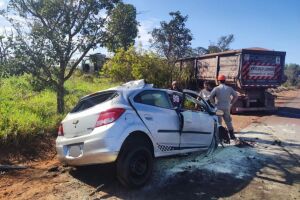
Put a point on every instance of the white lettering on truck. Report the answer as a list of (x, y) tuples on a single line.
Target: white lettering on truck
[(256, 70)]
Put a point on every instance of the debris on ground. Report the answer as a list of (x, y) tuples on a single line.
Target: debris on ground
[(98, 189), (59, 169), (53, 169), (251, 157), (276, 142), (12, 167), (244, 143)]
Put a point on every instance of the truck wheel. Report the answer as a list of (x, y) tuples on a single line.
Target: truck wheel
[(237, 104), (134, 165)]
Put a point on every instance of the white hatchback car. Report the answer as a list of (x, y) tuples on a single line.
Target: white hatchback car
[(133, 123)]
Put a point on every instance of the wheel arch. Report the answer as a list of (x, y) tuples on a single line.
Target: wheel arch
[(138, 136)]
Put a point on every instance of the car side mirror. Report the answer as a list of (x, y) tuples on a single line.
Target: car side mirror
[(219, 113)]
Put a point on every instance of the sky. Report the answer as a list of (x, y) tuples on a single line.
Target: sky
[(271, 24)]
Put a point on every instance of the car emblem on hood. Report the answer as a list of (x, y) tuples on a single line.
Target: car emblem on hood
[(75, 122)]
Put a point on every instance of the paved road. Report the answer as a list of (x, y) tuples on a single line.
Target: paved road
[(278, 144)]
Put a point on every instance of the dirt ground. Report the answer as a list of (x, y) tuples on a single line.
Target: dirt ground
[(242, 121), (218, 176)]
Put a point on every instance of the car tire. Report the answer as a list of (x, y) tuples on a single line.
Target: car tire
[(213, 145), (134, 165)]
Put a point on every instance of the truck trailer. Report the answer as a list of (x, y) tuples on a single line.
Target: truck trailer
[(251, 72)]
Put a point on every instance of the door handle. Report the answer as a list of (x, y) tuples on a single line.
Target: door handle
[(188, 121), (148, 117)]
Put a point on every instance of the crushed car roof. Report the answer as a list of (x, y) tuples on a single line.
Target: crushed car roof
[(127, 87)]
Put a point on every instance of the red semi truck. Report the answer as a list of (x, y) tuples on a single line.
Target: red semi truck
[(249, 71)]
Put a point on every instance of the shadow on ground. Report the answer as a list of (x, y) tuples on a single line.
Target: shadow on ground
[(288, 112), (266, 142), (196, 184)]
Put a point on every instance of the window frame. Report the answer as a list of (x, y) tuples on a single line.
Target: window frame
[(114, 94), (206, 109), (170, 95), (157, 91)]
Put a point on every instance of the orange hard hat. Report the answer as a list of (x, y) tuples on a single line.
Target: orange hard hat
[(221, 77)]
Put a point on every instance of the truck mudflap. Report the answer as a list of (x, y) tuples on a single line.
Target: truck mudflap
[(242, 109)]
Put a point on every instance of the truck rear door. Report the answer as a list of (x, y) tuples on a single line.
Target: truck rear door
[(263, 70)]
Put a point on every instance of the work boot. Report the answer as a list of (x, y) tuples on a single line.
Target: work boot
[(231, 134)]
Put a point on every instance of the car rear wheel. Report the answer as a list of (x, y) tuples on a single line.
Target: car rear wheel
[(134, 165)]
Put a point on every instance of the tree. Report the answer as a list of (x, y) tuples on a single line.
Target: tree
[(119, 67), (222, 44), (172, 40), (194, 52), (5, 51), (8, 64), (132, 64), (292, 72), (52, 32), (121, 28), (5, 46)]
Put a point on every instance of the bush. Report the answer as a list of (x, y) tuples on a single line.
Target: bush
[(133, 64), (292, 72), (119, 68), (184, 75)]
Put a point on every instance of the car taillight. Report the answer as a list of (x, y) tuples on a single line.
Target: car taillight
[(60, 130), (109, 116)]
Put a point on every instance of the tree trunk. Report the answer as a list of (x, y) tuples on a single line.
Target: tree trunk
[(60, 97), (171, 67)]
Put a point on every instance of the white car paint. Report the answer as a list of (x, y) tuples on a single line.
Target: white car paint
[(85, 144)]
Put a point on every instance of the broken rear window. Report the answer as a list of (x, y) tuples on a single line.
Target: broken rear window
[(94, 99)]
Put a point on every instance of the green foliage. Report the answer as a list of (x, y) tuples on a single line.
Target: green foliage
[(120, 66), (292, 72), (223, 44), (5, 47), (8, 64), (121, 28), (52, 32), (26, 112), (184, 75), (172, 40), (10, 68), (133, 64), (152, 68), (194, 52)]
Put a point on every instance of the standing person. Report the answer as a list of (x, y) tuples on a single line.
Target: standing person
[(225, 97), (175, 98), (205, 92), (175, 86)]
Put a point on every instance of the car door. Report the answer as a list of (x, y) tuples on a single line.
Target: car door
[(156, 111), (198, 124)]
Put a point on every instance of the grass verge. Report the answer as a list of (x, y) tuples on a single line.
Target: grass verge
[(27, 114)]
